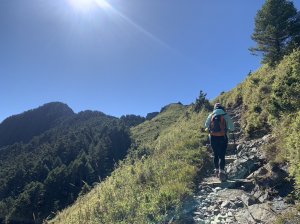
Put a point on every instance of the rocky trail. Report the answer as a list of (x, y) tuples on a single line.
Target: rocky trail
[(256, 191)]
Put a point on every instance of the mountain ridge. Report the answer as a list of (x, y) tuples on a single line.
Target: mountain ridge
[(34, 121), (49, 171)]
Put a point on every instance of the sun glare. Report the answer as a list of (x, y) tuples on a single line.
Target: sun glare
[(82, 5), (102, 4), (87, 5)]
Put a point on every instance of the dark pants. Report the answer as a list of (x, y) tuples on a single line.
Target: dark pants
[(219, 146)]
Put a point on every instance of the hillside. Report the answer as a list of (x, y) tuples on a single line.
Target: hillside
[(50, 171), (160, 174), (35, 122), (270, 100)]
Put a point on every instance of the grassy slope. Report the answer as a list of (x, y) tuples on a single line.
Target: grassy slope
[(270, 99), (161, 171), (152, 183), (271, 102)]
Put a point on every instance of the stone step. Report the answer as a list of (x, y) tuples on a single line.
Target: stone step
[(237, 135), (228, 159), (231, 147), (230, 183)]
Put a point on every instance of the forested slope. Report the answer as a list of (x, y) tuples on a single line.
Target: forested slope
[(47, 173), (35, 122)]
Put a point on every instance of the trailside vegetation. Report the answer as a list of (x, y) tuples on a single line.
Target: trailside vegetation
[(270, 99), (153, 182)]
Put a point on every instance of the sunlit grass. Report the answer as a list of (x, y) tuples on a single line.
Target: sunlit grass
[(152, 188)]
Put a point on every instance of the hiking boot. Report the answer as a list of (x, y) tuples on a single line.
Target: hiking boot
[(222, 175), (217, 172)]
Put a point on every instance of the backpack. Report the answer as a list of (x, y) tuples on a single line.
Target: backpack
[(218, 125)]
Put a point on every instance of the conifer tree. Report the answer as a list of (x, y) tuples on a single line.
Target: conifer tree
[(202, 102), (277, 30)]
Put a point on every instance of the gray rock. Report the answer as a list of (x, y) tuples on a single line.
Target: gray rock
[(216, 222), (264, 197), (229, 214), (212, 207), (254, 149), (262, 212), (207, 201), (197, 219), (248, 199), (229, 220), (279, 205), (257, 193), (225, 204), (217, 189), (266, 138), (216, 211), (219, 202), (212, 194), (238, 204), (200, 197)]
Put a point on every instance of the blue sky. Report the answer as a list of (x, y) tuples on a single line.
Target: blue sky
[(132, 57)]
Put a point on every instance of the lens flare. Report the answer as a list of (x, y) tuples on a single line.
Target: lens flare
[(102, 4), (87, 5), (82, 5)]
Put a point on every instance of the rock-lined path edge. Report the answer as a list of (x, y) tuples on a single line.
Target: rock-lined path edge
[(254, 193)]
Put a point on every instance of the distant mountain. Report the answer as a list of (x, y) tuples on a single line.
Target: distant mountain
[(151, 115), (23, 127), (132, 120), (65, 154)]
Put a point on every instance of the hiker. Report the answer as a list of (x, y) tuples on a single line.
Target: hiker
[(218, 123)]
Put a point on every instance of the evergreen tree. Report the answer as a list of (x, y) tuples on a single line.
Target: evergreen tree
[(202, 102), (277, 30)]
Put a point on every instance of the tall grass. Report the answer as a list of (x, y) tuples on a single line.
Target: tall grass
[(270, 99), (150, 187)]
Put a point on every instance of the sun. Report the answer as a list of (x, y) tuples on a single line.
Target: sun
[(102, 4), (82, 5), (87, 5)]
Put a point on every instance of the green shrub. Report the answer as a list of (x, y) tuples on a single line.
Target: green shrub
[(292, 144)]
